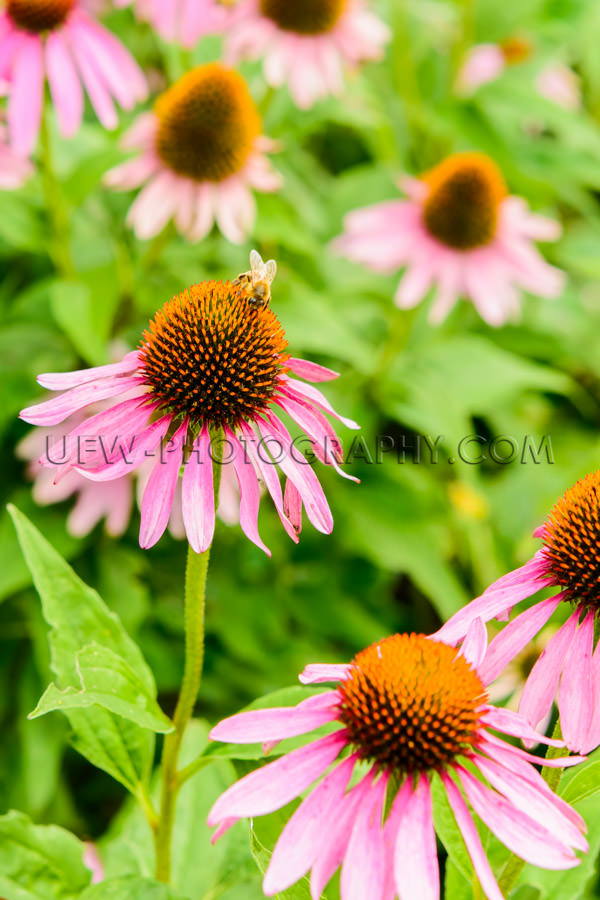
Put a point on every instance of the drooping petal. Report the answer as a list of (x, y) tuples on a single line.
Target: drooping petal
[(516, 725), (62, 381), (278, 723), (270, 478), (575, 694), (160, 490), (416, 867), (26, 95), (542, 683), (475, 643), (311, 371), (363, 869), (57, 409), (317, 673), (65, 86), (197, 498), (249, 492), (271, 787)]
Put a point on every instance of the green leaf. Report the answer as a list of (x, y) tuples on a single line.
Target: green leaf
[(73, 308), (108, 681), (79, 617), (585, 782), (264, 832), (130, 888), (39, 862), (449, 832)]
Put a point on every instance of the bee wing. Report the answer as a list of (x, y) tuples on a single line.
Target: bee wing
[(257, 265), (270, 270)]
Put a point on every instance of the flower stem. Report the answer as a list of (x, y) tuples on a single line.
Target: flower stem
[(195, 596), (58, 247), (551, 776)]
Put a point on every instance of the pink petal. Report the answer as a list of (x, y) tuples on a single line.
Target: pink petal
[(278, 723), (302, 392), (516, 725), (65, 86), (198, 500), (311, 371), (363, 869), (94, 83), (542, 683), (472, 840), (512, 639), (270, 478), (271, 787), (26, 95), (301, 840), (318, 673), (475, 643), (249, 492), (520, 833), (575, 695), (160, 490), (56, 410), (500, 596), (416, 869), (123, 462), (489, 743), (60, 381), (292, 505)]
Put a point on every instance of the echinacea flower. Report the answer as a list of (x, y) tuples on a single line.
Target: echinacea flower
[(460, 231), (58, 40), (201, 153), (205, 384), (181, 21), (410, 710), (305, 44), (14, 170), (486, 62), (569, 666), (560, 84)]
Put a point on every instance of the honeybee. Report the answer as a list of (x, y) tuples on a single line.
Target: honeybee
[(259, 279)]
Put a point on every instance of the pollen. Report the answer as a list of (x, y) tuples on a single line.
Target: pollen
[(465, 193), (516, 49), (207, 124), (37, 16), (214, 355), (411, 704), (572, 542), (307, 17)]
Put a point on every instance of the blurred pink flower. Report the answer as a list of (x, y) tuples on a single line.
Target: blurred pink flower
[(58, 40), (212, 368), (14, 169), (201, 154), (459, 231), (410, 710), (181, 21), (91, 859), (305, 44), (569, 666), (560, 84), (486, 62)]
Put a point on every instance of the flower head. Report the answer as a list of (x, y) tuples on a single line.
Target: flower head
[(461, 231), (569, 666), (58, 40), (560, 84), (411, 710), (201, 152), (182, 21), (486, 62), (203, 387), (305, 44)]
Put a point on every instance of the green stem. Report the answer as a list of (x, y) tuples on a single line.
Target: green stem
[(551, 776), (57, 214), (195, 596)]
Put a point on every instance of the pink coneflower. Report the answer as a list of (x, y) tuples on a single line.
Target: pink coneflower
[(569, 665), (14, 170), (560, 84), (58, 40), (201, 154), (181, 21), (413, 710), (486, 62), (305, 44), (209, 374), (458, 230)]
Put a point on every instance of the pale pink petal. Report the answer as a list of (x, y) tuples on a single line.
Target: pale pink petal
[(575, 695), (198, 501), (57, 409), (154, 205), (249, 492), (489, 744), (483, 63), (298, 390), (292, 505), (516, 725), (160, 490), (542, 683), (276, 784), (514, 637), (26, 95), (65, 86), (60, 381), (317, 673), (416, 867), (269, 475), (123, 461), (277, 723), (313, 427), (301, 840), (311, 371), (472, 840), (133, 173), (94, 84), (475, 643)]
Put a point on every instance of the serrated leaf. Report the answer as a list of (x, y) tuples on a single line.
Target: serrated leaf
[(39, 862), (78, 617), (107, 681), (130, 888)]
